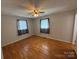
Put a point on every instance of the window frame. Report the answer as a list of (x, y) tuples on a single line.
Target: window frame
[(45, 29), (27, 30)]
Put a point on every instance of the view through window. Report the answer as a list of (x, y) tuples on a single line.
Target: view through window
[(44, 25), (22, 27)]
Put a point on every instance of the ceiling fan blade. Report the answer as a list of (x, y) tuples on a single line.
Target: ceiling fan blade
[(41, 12)]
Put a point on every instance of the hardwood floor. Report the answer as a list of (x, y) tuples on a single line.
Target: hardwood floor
[(36, 47)]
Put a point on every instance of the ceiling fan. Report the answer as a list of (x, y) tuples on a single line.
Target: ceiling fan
[(36, 10)]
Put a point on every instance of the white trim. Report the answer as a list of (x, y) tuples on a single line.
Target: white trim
[(36, 35), (54, 39), (12, 42), (75, 31)]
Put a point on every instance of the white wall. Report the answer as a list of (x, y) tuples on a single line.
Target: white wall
[(9, 29), (61, 26)]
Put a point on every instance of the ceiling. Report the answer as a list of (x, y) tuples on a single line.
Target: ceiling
[(24, 8)]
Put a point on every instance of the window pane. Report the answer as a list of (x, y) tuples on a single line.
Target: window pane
[(44, 24), (22, 25)]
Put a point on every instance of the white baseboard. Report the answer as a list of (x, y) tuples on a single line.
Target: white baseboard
[(36, 35), (10, 42), (13, 41), (54, 39)]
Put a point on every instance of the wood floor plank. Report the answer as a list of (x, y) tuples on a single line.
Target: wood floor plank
[(37, 47)]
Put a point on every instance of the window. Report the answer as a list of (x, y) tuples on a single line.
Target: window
[(44, 25), (22, 27)]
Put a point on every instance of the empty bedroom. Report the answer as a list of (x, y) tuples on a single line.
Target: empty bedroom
[(38, 29)]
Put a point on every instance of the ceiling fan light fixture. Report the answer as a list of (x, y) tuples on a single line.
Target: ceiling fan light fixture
[(35, 13)]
